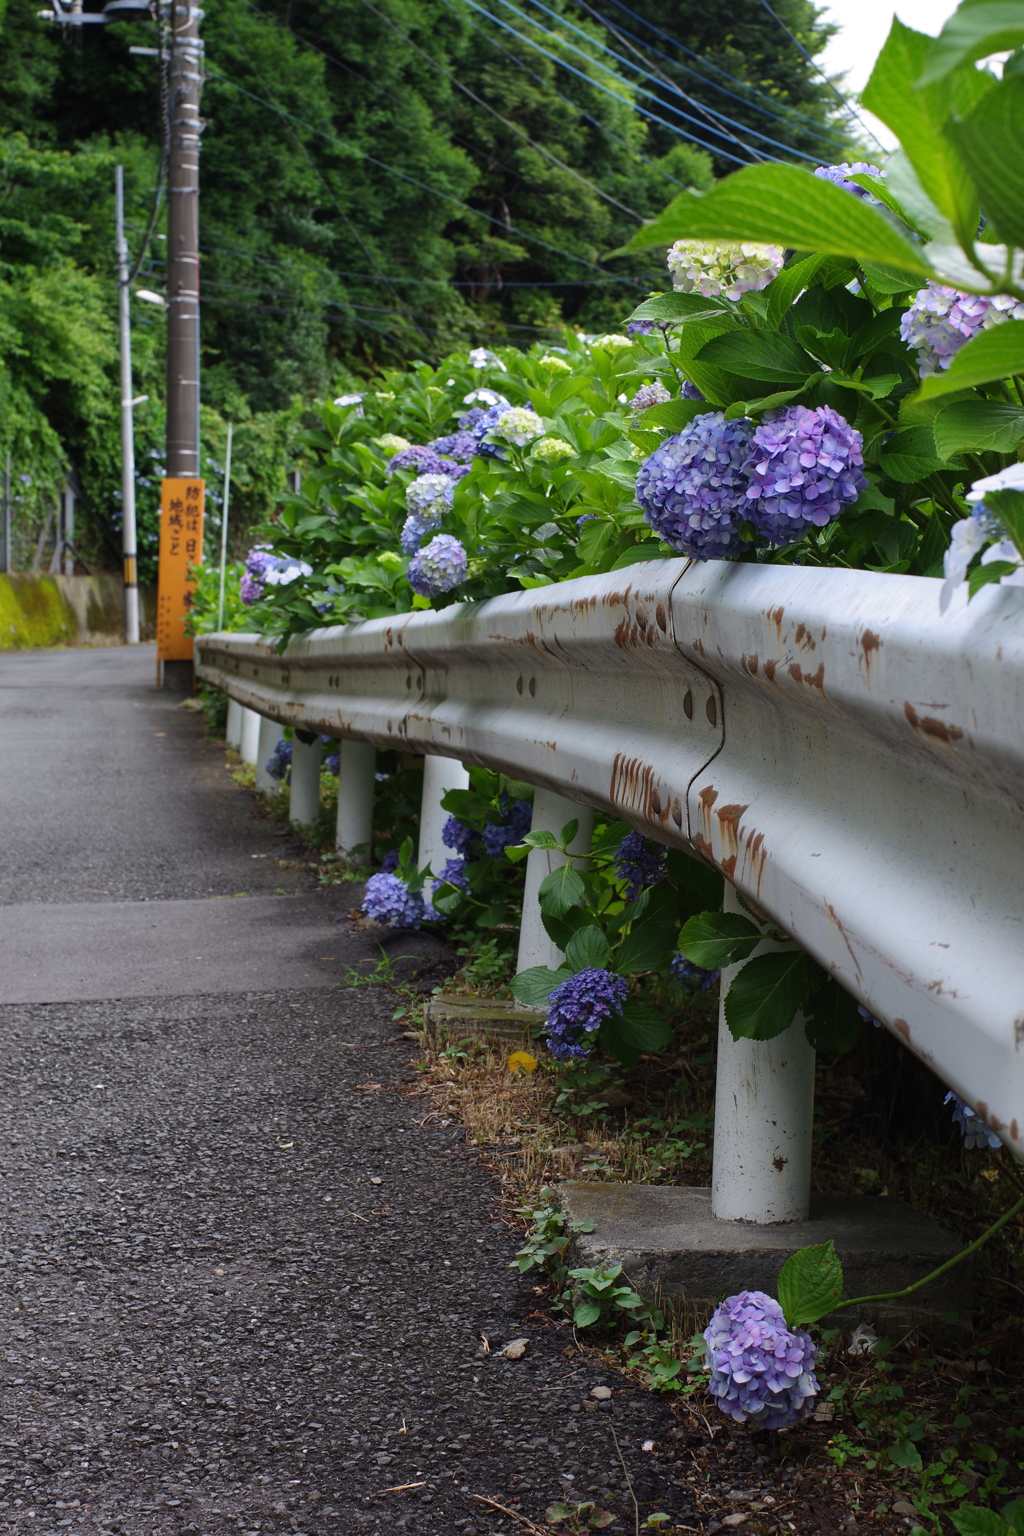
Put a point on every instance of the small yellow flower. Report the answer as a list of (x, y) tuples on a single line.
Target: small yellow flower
[(522, 1061)]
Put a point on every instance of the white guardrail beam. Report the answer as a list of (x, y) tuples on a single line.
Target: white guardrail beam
[(851, 759)]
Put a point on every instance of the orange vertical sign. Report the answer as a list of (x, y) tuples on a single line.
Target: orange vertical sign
[(181, 546)]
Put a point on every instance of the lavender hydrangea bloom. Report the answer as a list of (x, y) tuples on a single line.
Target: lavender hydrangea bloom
[(637, 866), (457, 445), (389, 901), (711, 268), (428, 498), (868, 1016), (470, 420), (425, 461), (648, 395), (640, 327), (487, 423), (277, 766), (805, 466), (456, 836), (250, 590), (454, 873), (684, 970), (690, 391), (760, 1370), (439, 567), (693, 489), (578, 1007), (499, 835), (942, 319), (389, 863), (840, 174), (332, 762), (973, 1128)]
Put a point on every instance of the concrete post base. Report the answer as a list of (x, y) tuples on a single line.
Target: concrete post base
[(671, 1247), (270, 734)]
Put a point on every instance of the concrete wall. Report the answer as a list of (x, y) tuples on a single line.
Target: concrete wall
[(38, 611)]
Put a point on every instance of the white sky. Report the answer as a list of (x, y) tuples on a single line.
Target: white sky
[(864, 26)]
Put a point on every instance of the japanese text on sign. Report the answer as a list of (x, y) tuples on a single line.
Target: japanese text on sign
[(181, 547)]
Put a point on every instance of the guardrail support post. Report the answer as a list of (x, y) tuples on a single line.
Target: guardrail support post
[(270, 734), (764, 1116), (357, 763), (304, 794), (440, 774), (249, 739), (233, 731), (551, 813)]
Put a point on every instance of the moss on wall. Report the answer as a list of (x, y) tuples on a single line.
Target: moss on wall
[(40, 611)]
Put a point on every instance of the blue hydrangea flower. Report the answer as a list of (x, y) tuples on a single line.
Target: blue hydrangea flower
[(458, 446), (637, 865), (973, 1128), (640, 327), (684, 970), (333, 763), (577, 1008), (456, 836), (470, 420), (693, 488), (868, 1016), (804, 466), (454, 873), (499, 835), (428, 498), (761, 1372), (389, 901), (839, 176), (439, 567), (425, 461), (389, 863), (278, 765), (941, 320), (690, 391), (648, 395), (486, 424)]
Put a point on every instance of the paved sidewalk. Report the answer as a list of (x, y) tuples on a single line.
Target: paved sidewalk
[(245, 1272)]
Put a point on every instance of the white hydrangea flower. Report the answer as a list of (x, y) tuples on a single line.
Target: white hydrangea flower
[(1009, 479), (289, 570), (519, 425), (611, 341), (483, 357), (553, 364), (982, 528), (484, 397), (392, 443), (554, 448), (711, 269)]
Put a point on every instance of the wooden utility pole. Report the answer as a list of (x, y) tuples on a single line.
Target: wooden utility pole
[(185, 85)]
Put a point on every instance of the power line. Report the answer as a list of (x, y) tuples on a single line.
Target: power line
[(413, 181), (816, 66), (600, 86), (794, 114)]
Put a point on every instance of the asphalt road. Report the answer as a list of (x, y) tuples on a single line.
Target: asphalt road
[(246, 1272)]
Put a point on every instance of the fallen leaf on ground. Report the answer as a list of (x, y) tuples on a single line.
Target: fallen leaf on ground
[(367, 1087)]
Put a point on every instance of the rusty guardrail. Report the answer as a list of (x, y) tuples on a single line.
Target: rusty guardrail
[(852, 760)]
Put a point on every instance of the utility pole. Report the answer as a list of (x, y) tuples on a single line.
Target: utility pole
[(128, 543), (186, 79), (5, 532)]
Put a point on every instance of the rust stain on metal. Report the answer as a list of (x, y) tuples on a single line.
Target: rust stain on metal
[(812, 679), (677, 812), (698, 646), (749, 663), (659, 614), (903, 1028), (728, 866), (833, 914), (769, 670), (633, 784), (937, 729), (729, 817), (803, 638), (756, 856), (775, 614), (869, 642)]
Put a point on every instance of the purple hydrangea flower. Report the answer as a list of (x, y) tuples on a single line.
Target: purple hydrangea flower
[(459, 446), (470, 420), (761, 1372), (389, 863), (486, 424), (332, 762), (250, 590), (456, 836), (690, 391), (439, 567), (578, 1007), (428, 498), (454, 873), (648, 395), (805, 466), (637, 865), (693, 489), (499, 835), (973, 1128), (389, 901), (839, 175), (868, 1016), (684, 970), (425, 461), (942, 319), (277, 766), (640, 327)]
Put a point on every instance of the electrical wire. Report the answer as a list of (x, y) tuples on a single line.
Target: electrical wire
[(598, 85), (413, 181), (706, 64), (815, 66)]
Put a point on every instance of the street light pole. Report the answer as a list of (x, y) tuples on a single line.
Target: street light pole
[(128, 542), (185, 84)]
